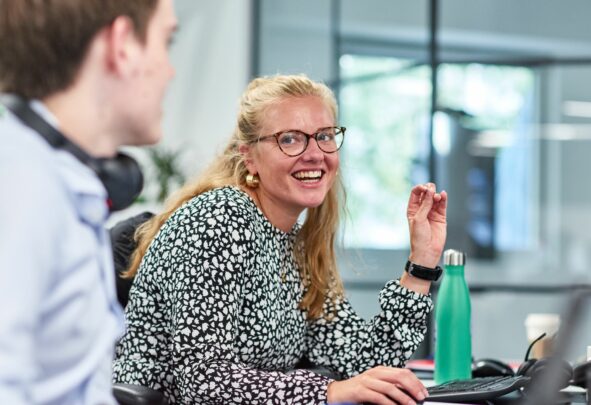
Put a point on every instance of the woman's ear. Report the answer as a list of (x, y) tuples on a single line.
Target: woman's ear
[(246, 152)]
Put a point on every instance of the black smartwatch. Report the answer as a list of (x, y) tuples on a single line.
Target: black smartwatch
[(422, 272)]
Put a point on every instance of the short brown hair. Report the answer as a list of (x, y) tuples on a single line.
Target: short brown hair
[(43, 42)]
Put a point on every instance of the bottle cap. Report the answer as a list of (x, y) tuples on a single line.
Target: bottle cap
[(453, 257)]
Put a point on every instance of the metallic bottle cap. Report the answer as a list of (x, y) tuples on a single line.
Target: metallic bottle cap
[(453, 257)]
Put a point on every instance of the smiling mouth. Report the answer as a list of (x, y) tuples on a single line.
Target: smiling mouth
[(309, 176)]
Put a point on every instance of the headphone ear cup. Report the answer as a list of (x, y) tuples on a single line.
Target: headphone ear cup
[(122, 178), (537, 368)]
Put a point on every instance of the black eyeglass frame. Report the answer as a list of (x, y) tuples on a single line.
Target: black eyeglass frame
[(276, 135)]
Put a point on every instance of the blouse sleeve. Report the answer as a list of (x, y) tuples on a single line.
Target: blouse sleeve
[(350, 345), (208, 257)]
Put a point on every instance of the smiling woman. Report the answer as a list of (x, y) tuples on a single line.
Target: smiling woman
[(293, 175), (231, 291)]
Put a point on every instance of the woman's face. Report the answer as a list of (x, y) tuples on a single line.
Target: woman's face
[(293, 183)]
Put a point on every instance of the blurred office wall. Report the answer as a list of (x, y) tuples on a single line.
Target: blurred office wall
[(211, 54), (213, 61)]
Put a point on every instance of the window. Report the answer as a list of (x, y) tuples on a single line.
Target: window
[(385, 104)]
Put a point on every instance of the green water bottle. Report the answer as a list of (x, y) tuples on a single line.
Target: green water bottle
[(453, 341)]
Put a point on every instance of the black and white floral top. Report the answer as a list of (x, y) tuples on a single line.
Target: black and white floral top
[(213, 314)]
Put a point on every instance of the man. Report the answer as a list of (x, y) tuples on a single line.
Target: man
[(94, 72)]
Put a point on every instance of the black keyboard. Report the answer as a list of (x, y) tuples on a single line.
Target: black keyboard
[(476, 389)]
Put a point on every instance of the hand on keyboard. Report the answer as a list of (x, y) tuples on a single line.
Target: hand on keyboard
[(380, 385)]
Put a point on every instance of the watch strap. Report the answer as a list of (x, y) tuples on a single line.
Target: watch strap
[(422, 272)]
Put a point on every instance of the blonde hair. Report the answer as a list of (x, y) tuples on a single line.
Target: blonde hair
[(315, 254)]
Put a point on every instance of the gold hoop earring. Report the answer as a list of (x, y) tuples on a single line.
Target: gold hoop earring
[(252, 180)]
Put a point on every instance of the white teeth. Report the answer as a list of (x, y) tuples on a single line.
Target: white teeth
[(305, 175)]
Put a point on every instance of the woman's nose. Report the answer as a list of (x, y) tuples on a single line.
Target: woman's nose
[(313, 151)]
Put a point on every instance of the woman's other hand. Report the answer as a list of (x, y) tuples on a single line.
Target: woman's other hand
[(426, 214), (380, 385), (427, 222)]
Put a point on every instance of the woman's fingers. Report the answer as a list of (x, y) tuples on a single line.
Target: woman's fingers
[(427, 201), (422, 207), (443, 202), (439, 210), (375, 397), (380, 385), (387, 392), (403, 378), (416, 196)]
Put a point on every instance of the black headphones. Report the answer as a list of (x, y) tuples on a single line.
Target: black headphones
[(533, 368), (121, 175)]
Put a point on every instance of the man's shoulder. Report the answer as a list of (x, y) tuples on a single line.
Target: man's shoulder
[(29, 168), (23, 146), (29, 171)]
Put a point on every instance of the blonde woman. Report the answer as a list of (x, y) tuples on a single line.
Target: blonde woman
[(230, 291)]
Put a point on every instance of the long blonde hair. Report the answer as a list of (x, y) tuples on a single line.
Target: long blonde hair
[(315, 253)]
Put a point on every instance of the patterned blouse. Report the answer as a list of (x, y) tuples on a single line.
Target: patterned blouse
[(213, 314)]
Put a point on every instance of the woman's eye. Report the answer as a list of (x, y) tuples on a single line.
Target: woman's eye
[(288, 139), (325, 137)]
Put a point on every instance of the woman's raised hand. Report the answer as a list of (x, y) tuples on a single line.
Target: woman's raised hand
[(427, 222), (380, 385)]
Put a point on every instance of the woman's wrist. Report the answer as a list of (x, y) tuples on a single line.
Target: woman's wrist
[(330, 392), (425, 260), (415, 284)]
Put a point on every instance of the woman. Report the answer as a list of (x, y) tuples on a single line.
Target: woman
[(231, 291)]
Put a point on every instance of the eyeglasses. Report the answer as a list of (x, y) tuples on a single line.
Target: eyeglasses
[(293, 142)]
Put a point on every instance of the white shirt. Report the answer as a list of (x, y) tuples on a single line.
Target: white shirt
[(59, 316)]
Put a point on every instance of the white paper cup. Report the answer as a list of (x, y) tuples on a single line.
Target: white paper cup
[(535, 325)]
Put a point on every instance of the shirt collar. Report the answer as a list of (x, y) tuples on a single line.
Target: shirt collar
[(83, 183)]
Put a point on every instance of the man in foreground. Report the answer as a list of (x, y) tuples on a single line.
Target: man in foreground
[(80, 78)]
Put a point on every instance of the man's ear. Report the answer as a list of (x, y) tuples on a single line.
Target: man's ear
[(246, 152), (123, 47)]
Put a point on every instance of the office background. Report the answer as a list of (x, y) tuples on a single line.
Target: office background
[(510, 137)]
